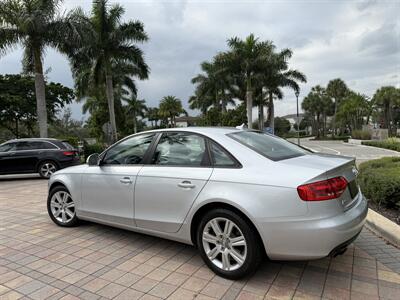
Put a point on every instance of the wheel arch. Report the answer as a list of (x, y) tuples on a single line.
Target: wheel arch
[(56, 184), (195, 221), (44, 160)]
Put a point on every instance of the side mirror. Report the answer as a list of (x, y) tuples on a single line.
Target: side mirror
[(93, 159)]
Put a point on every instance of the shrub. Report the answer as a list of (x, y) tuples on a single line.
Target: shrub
[(390, 143), (90, 149), (380, 181), (361, 135)]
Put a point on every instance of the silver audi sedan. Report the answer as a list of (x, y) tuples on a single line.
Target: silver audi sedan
[(236, 194)]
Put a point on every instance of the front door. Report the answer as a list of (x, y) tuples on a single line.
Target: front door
[(108, 189), (167, 187), (7, 156)]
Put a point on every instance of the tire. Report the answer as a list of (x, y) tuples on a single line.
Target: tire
[(230, 256), (47, 168), (61, 207)]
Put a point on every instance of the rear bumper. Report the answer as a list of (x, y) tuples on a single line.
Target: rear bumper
[(312, 239)]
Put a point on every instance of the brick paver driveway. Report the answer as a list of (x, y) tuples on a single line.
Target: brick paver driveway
[(39, 260)]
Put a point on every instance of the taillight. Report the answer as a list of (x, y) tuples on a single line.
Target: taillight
[(69, 153), (323, 190)]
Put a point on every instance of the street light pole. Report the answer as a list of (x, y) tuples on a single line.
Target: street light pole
[(298, 123)]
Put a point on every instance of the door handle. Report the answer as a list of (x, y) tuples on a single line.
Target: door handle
[(186, 184), (125, 180)]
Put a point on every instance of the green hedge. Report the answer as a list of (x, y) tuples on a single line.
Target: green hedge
[(90, 149), (380, 181), (390, 143), (361, 135)]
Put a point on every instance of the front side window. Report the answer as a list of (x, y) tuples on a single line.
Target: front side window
[(220, 157), (7, 147), (267, 145), (129, 152), (180, 149)]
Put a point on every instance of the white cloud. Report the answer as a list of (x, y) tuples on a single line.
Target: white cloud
[(357, 41)]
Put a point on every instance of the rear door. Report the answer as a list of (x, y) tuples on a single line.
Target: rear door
[(26, 157), (167, 187)]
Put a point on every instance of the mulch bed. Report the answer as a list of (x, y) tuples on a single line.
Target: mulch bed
[(390, 213)]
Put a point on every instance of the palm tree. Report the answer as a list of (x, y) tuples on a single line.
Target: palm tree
[(213, 86), (277, 76), (246, 60), (137, 108), (153, 115), (35, 25), (337, 90), (170, 107), (109, 44), (317, 104), (386, 99)]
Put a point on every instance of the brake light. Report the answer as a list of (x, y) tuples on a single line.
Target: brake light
[(323, 190), (69, 153)]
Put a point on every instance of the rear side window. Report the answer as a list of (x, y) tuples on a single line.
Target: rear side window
[(220, 158), (39, 145), (180, 149), (267, 145), (23, 146)]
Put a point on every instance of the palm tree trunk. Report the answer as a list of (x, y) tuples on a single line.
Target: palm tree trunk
[(271, 112), (16, 128), (334, 119), (134, 123), (111, 110), (40, 94), (223, 104), (249, 103)]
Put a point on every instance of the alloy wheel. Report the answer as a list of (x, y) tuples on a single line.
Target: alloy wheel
[(224, 244), (47, 169), (62, 207)]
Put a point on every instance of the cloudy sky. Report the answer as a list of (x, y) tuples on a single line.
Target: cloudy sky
[(358, 41)]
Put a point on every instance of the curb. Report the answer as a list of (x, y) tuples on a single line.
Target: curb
[(383, 227)]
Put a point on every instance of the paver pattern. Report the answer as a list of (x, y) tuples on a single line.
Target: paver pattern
[(39, 260)]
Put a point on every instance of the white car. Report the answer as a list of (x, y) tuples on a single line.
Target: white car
[(236, 194)]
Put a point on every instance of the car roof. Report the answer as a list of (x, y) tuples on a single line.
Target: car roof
[(34, 139), (201, 130)]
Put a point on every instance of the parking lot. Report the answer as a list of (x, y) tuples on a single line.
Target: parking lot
[(39, 260)]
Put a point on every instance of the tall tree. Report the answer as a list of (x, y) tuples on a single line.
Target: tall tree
[(171, 107), (317, 104), (35, 25), (278, 75), (213, 86), (137, 108), (246, 60), (337, 90), (153, 116), (386, 100), (354, 111), (109, 45), (17, 103)]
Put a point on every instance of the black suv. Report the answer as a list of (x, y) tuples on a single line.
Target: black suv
[(43, 156)]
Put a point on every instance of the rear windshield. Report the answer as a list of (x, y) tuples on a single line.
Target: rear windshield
[(268, 145)]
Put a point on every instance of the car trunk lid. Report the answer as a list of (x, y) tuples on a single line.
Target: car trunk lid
[(331, 166)]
